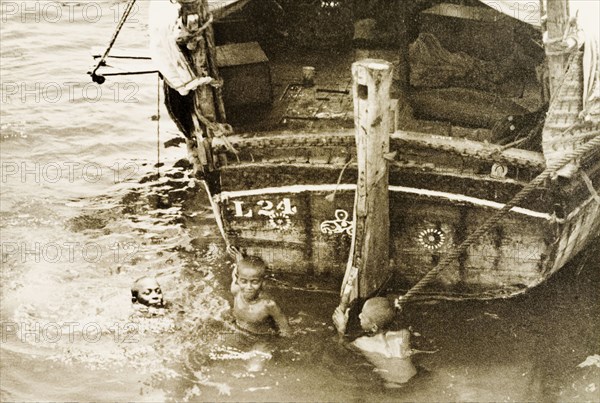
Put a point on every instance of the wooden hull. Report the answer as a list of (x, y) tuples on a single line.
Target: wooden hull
[(276, 190), (283, 211)]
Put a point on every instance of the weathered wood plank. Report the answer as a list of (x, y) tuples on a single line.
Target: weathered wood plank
[(260, 145), (558, 19), (371, 90)]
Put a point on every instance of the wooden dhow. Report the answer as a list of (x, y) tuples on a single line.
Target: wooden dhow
[(377, 173)]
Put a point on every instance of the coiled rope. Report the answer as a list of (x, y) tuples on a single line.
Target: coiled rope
[(519, 197)]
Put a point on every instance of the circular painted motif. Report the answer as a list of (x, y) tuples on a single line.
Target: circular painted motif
[(280, 221), (431, 238)]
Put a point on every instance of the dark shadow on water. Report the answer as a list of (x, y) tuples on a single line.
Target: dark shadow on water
[(534, 341)]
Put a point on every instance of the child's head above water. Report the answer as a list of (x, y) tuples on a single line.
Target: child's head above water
[(146, 291), (250, 276), (252, 262), (376, 315)]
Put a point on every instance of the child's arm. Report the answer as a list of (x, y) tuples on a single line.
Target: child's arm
[(280, 319), (235, 253), (340, 320), (235, 288)]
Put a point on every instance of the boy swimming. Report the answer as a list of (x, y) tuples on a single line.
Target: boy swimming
[(254, 311), (147, 292), (389, 351)]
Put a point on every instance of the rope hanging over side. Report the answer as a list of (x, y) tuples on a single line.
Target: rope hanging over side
[(519, 197), (331, 197), (231, 250)]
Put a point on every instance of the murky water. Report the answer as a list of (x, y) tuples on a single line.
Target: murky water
[(83, 212)]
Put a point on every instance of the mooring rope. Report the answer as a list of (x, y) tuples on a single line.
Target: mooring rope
[(519, 197), (217, 213), (231, 250), (114, 37), (515, 201)]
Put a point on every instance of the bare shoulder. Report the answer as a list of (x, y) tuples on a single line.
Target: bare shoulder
[(270, 302), (397, 334), (372, 344), (235, 289), (398, 337)]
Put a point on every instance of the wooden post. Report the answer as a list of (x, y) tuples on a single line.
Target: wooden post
[(557, 21), (370, 242)]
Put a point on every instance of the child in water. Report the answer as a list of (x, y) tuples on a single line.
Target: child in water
[(254, 311), (146, 294), (389, 351)]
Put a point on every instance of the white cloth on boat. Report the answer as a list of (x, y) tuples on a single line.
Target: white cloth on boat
[(165, 28), (587, 20)]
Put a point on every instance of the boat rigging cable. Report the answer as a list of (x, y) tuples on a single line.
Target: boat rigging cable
[(98, 78), (515, 201)]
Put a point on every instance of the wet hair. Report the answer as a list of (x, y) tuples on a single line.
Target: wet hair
[(134, 289), (253, 262), (380, 311)]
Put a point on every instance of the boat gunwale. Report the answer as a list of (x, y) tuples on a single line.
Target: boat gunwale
[(323, 188), (483, 151)]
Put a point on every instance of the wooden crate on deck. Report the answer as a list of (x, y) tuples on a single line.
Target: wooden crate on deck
[(481, 32), (246, 73)]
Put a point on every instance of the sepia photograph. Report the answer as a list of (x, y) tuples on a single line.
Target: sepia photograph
[(300, 201)]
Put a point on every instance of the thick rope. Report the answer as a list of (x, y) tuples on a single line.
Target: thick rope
[(217, 214), (114, 37), (519, 197), (231, 250)]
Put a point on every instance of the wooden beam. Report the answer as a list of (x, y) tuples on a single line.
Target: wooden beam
[(557, 21), (372, 80), (280, 145), (208, 101)]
